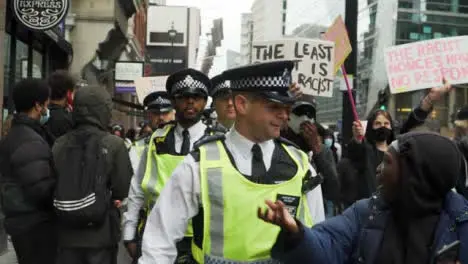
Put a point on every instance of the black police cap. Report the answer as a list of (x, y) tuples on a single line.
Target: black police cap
[(188, 82), (158, 102), (271, 79), (219, 85)]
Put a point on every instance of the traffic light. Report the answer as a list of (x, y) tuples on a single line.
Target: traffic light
[(383, 99)]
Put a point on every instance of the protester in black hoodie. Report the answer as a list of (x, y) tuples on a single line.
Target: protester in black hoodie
[(96, 244), (28, 181), (415, 214), (62, 87)]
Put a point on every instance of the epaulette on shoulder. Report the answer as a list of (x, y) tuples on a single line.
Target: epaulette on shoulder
[(287, 142), (207, 139)]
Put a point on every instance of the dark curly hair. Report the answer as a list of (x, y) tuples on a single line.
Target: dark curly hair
[(60, 83)]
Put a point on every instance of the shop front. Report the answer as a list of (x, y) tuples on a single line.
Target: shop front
[(30, 52)]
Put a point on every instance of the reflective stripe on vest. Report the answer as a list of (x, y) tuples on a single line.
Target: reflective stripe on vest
[(230, 202), (159, 168)]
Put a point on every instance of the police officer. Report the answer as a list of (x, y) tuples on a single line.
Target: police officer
[(160, 111), (226, 178), (169, 145), (223, 104)]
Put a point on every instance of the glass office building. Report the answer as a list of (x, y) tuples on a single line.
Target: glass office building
[(384, 23)]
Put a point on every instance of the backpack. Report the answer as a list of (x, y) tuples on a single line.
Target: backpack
[(82, 196)]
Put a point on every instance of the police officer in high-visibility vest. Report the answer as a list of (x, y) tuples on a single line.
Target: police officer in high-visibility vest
[(222, 102), (169, 145), (160, 111), (220, 185)]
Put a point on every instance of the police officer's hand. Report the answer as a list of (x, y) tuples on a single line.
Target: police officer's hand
[(358, 131), (277, 214), (295, 90), (310, 134), (132, 249)]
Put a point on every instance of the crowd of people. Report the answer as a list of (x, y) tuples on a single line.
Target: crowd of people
[(212, 184)]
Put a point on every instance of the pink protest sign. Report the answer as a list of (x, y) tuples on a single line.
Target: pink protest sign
[(423, 64), (337, 33)]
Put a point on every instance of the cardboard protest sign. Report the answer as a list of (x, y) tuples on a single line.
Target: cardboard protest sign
[(314, 62), (423, 64), (339, 35), (147, 85)]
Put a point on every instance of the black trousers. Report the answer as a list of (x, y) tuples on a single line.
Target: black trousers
[(38, 246), (87, 256)]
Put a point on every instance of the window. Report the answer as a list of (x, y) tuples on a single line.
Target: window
[(285, 4)]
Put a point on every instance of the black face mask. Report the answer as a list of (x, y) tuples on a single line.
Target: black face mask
[(382, 134)]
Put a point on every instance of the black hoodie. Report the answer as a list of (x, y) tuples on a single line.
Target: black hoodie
[(92, 113), (428, 167)]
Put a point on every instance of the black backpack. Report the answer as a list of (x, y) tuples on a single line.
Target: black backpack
[(82, 195)]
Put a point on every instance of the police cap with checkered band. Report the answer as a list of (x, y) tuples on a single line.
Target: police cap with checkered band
[(158, 102), (219, 86), (188, 82), (272, 80)]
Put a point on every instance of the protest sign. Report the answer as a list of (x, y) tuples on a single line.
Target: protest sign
[(147, 85), (423, 64), (338, 34), (313, 62)]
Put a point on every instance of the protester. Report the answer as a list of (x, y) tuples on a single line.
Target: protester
[(27, 182), (62, 87), (96, 244), (366, 151), (415, 215), (329, 142), (304, 132)]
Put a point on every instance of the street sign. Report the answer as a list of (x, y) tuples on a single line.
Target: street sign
[(41, 15)]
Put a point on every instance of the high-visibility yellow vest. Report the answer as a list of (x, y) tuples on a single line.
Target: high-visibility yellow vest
[(232, 232), (140, 146), (159, 168)]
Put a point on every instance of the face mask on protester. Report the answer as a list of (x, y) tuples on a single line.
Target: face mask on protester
[(295, 122), (328, 142), (382, 134), (44, 116)]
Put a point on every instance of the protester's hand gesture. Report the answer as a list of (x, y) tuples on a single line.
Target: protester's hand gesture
[(435, 95), (310, 134), (277, 214), (295, 91), (358, 131)]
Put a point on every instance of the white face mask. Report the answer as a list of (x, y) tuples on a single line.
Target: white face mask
[(295, 122)]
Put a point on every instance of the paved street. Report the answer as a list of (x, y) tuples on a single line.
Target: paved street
[(9, 257)]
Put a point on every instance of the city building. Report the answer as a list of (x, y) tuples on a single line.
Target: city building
[(118, 34), (30, 52), (233, 59), (385, 23), (172, 38), (246, 38), (215, 37), (269, 19)]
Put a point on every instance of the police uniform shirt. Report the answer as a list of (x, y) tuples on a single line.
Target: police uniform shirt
[(180, 200), (136, 196)]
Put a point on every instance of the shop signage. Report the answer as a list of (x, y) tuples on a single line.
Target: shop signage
[(41, 14)]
